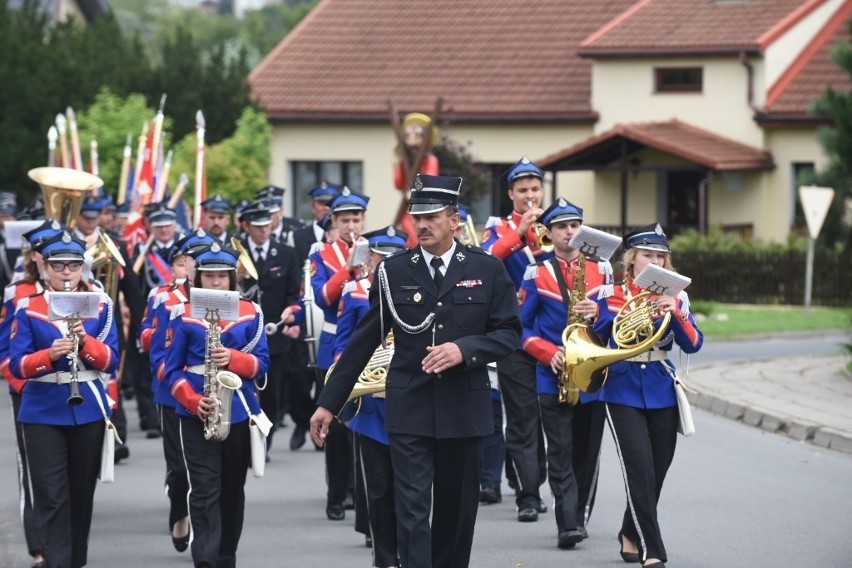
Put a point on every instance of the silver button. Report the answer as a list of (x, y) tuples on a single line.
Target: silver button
[(469, 299), (440, 304), (473, 359), (643, 366), (440, 375), (440, 326)]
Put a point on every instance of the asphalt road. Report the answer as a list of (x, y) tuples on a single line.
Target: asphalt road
[(735, 497)]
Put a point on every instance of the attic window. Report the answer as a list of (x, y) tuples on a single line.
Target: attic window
[(678, 79)]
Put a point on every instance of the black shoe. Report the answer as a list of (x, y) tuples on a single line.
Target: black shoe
[(527, 515), (297, 440), (181, 543), (349, 502), (629, 557), (583, 532), (569, 539), (541, 507), (122, 452), (489, 495), (335, 512), (153, 434), (368, 541)]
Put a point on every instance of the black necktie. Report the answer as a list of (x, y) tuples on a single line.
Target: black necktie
[(260, 259), (437, 263)]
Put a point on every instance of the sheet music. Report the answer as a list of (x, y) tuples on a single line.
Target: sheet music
[(662, 282), (594, 242), (14, 231), (215, 304), (360, 252), (64, 305)]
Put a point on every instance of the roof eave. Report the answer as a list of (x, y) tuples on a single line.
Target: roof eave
[(455, 117), (791, 120), (668, 51)]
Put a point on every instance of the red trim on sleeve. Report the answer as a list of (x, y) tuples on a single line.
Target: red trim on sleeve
[(333, 288), (243, 364), (96, 354), (541, 349), (688, 328), (36, 364), (15, 383), (506, 244), (145, 337), (186, 395)]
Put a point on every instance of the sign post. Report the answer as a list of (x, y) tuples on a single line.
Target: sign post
[(815, 202)]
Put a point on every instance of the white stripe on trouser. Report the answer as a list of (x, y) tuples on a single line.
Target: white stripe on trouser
[(19, 459), (188, 478), (587, 510), (366, 493), (626, 484)]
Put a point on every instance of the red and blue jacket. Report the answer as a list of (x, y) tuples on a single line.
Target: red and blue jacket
[(646, 384), (31, 336), (502, 240), (328, 277), (186, 342), (152, 336), (13, 294), (544, 314), (370, 420)]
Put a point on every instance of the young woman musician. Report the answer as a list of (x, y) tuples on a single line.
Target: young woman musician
[(217, 469), (63, 435), (152, 338), (640, 398)]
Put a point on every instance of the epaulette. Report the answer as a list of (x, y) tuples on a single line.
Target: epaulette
[(177, 311), (152, 293), (493, 222), (315, 247), (160, 298), (531, 273), (477, 249), (9, 292), (23, 303), (684, 298), (349, 287)]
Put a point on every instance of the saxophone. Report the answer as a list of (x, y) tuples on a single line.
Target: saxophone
[(568, 391), (218, 385)]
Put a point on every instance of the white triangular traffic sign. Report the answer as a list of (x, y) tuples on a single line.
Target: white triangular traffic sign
[(815, 203)]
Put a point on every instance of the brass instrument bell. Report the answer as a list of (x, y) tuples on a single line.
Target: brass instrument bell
[(105, 261), (245, 258), (63, 191)]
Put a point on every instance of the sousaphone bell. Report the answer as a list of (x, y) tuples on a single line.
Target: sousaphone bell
[(63, 190)]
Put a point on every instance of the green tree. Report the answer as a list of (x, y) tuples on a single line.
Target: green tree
[(837, 143)]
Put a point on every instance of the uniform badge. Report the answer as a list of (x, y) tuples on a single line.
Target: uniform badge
[(14, 330), (418, 297), (522, 295), (459, 256), (273, 252), (169, 337), (313, 268), (66, 238), (415, 257)]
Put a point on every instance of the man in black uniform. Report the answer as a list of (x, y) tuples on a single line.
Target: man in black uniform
[(278, 287), (452, 309), (215, 218), (282, 227)]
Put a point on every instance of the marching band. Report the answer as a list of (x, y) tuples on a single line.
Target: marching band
[(242, 328)]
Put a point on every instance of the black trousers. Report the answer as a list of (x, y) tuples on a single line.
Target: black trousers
[(516, 375), (494, 450), (381, 505), (645, 441), (359, 489), (298, 384), (177, 482), (557, 421), (443, 471), (271, 394), (33, 528), (588, 425), (339, 458), (217, 477), (64, 465), (148, 416)]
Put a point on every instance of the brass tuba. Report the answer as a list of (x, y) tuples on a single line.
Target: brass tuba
[(106, 258), (63, 190), (633, 332), (372, 380)]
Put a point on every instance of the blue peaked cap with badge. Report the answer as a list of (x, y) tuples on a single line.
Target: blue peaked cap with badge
[(650, 237), (8, 203), (430, 194), (348, 200), (191, 244), (91, 207), (560, 210), (524, 168), (162, 216), (324, 192), (216, 203), (43, 232), (62, 246), (387, 241), (122, 209), (463, 214), (256, 213), (216, 257)]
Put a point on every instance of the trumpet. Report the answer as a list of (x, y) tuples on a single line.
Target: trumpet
[(542, 240)]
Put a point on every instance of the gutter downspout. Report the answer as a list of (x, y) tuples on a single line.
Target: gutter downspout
[(743, 58)]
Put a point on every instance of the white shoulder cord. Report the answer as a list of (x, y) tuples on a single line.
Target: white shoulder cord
[(386, 294)]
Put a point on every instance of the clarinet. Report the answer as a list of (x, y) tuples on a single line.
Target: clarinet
[(75, 399)]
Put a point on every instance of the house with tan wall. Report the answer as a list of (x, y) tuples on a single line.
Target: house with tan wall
[(690, 112)]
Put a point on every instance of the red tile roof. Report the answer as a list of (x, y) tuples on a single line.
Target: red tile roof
[(696, 26), (672, 137), (488, 59), (813, 71)]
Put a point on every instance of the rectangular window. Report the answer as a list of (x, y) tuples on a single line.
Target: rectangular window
[(308, 175), (678, 79)]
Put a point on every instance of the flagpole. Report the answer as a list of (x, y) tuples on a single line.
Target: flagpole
[(199, 169), (52, 135), (163, 178), (61, 125), (125, 172), (158, 131), (76, 154), (93, 162)]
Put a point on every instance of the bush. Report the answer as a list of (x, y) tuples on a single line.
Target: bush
[(702, 307)]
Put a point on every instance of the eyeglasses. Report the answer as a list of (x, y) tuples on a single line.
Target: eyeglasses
[(73, 266)]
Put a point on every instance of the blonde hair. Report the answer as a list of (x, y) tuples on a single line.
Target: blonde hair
[(629, 260)]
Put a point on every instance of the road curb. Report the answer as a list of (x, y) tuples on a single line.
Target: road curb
[(794, 428)]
